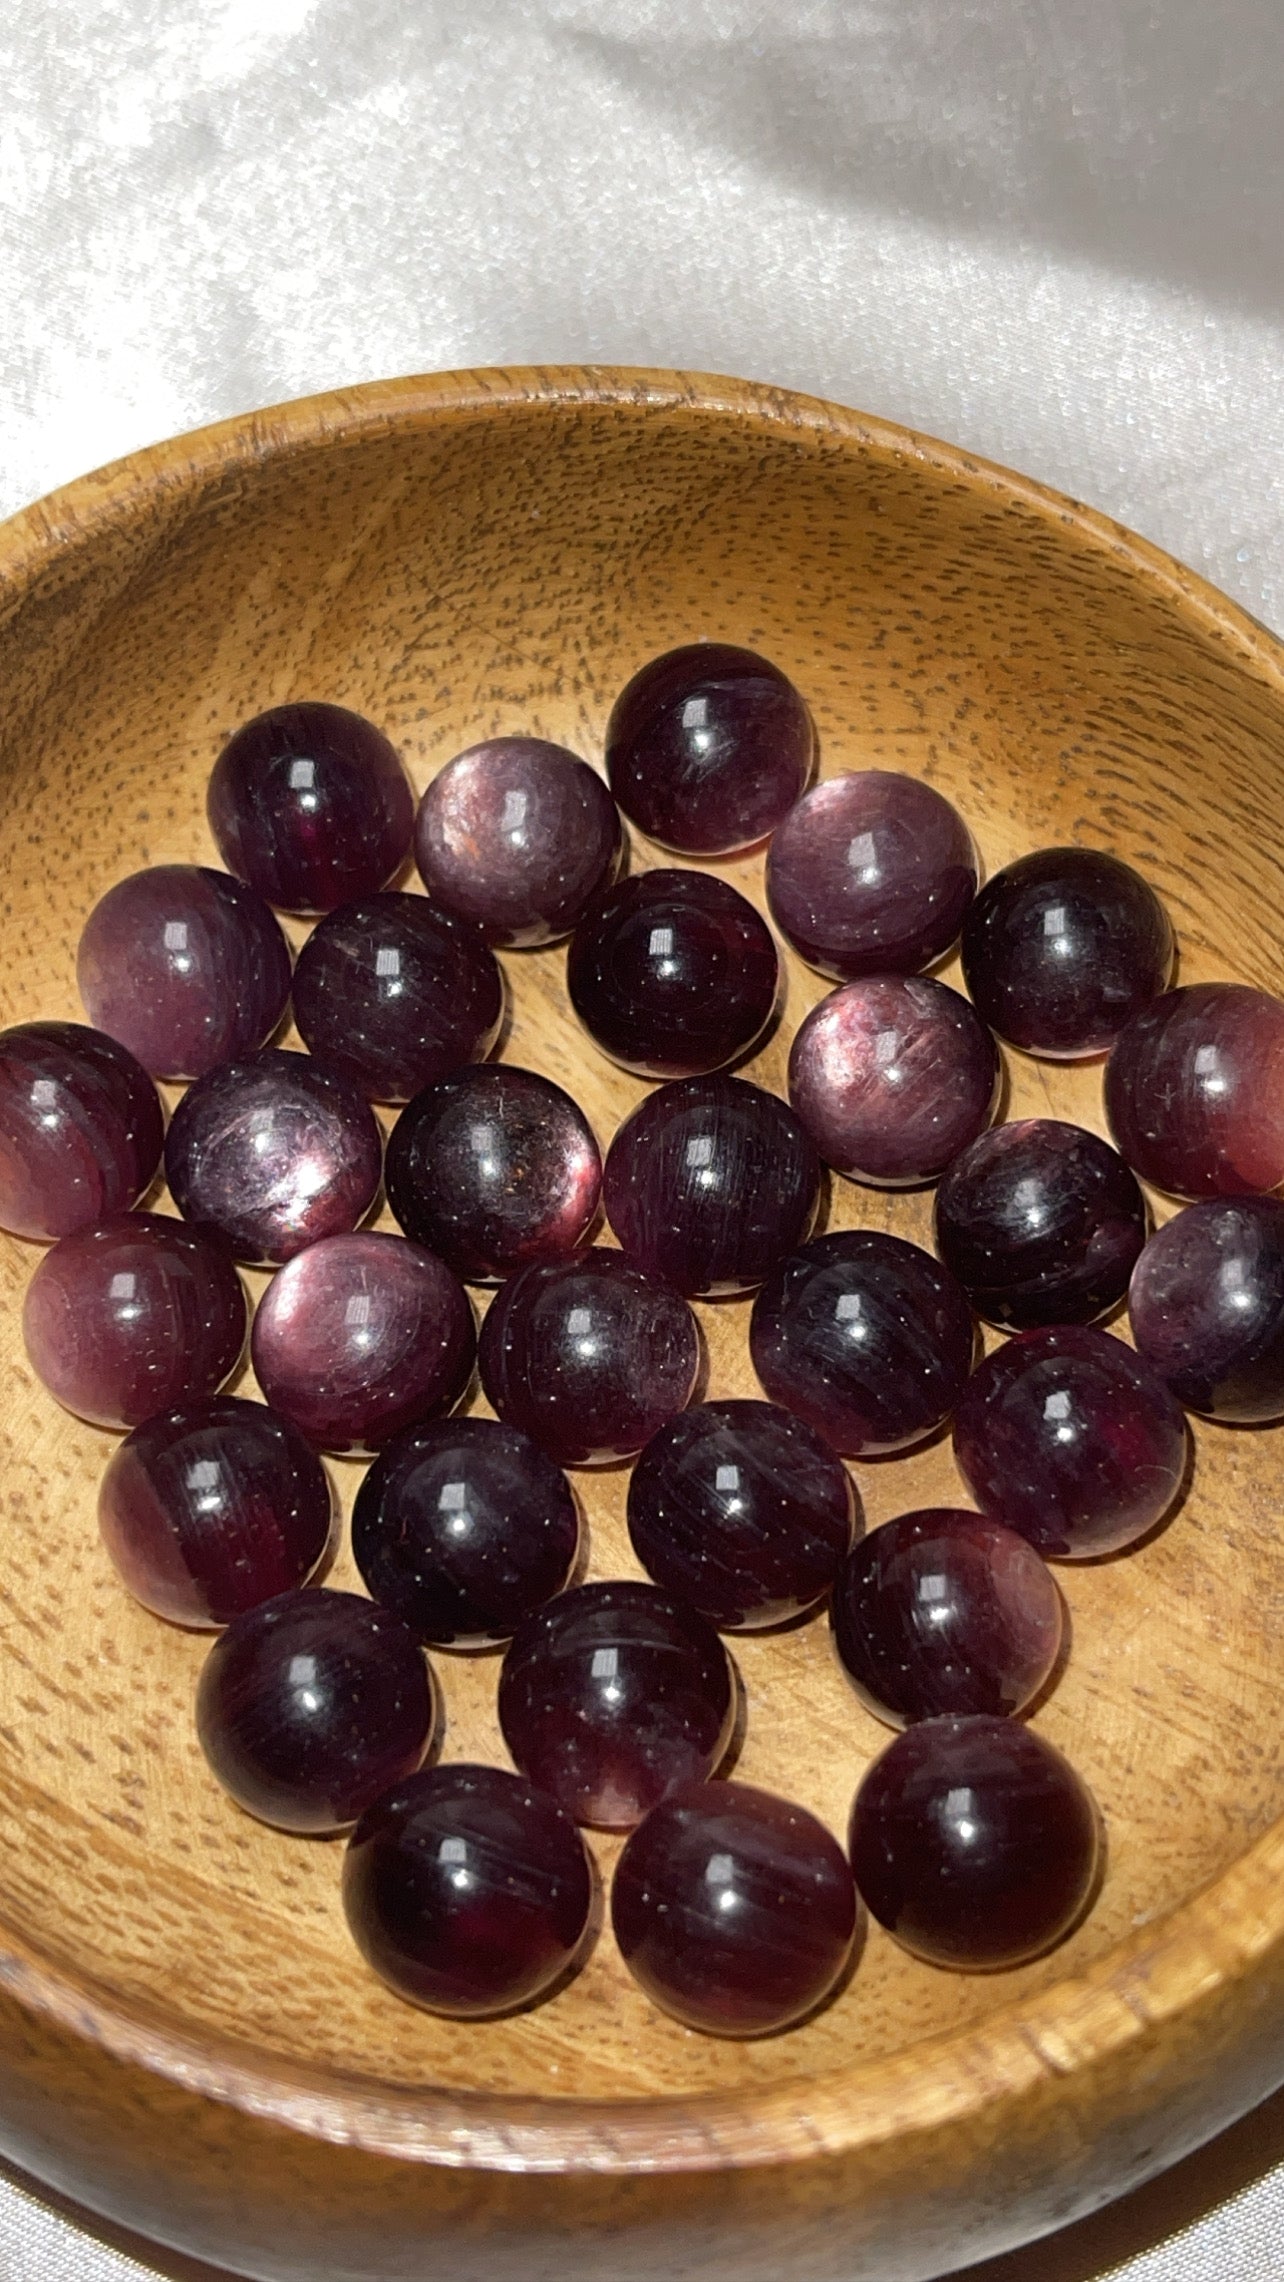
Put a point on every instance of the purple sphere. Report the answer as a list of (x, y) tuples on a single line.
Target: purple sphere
[(864, 1337), (710, 1184), (212, 1508), (187, 967), (871, 874), (1041, 1223), (707, 748), (467, 1892), (1062, 948), (134, 1316), (1207, 1308), (517, 836), (360, 1336), (673, 973), (309, 1707), (1195, 1091), (588, 1356), (394, 995), (735, 1910), (494, 1168), (1071, 1439), (974, 1842), (943, 1611), (612, 1696), (463, 1528), (271, 1154), (892, 1076), (742, 1512), (310, 804), (81, 1129)]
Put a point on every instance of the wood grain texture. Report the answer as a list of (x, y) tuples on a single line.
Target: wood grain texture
[(187, 2039)]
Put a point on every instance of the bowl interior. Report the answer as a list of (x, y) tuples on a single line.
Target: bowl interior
[(458, 563)]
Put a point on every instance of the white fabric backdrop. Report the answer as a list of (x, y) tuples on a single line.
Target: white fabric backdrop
[(1052, 230)]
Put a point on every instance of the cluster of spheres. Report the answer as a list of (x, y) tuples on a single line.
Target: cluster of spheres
[(469, 1888)]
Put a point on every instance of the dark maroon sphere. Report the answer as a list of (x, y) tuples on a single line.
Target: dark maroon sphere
[(588, 1356), (187, 967), (892, 1076), (81, 1129), (673, 973), (1070, 1438), (710, 1184), (212, 1508), (735, 1910), (612, 1696), (466, 1891), (517, 836), (273, 1153), (311, 805), (361, 1336), (464, 1528), (707, 748), (494, 1168), (871, 874), (742, 1512), (1207, 1308), (866, 1338), (394, 995), (312, 1705), (1041, 1222), (945, 1611), (974, 1842), (1195, 1091), (134, 1316), (1062, 948)]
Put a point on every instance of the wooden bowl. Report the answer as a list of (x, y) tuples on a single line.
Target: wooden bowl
[(188, 2040)]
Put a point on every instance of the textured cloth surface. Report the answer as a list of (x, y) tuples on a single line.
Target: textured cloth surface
[(1051, 230)]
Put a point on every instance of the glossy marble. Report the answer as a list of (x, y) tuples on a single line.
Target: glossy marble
[(1194, 1091), (1206, 1304), (871, 874), (211, 1508), (273, 1153), (133, 1316), (588, 1356), (463, 1528), (1041, 1222), (311, 1706), (707, 748), (734, 1909), (673, 973), (187, 967), (310, 804), (892, 1076), (710, 1183), (360, 1336), (467, 1891), (974, 1842), (611, 1696), (742, 1512), (1062, 948), (866, 1338), (81, 1129), (394, 994), (1071, 1438), (943, 1611), (494, 1168), (517, 836)]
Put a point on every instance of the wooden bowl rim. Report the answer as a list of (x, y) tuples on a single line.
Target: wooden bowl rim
[(1221, 1936)]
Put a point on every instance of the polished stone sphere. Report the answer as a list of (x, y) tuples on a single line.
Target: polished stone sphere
[(518, 836), (81, 1129), (871, 874), (271, 1154), (1062, 948), (707, 748), (710, 1184), (1206, 1304), (187, 967), (310, 804), (892, 1076), (1041, 1222), (1195, 1091), (493, 1169), (673, 973), (393, 995)]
